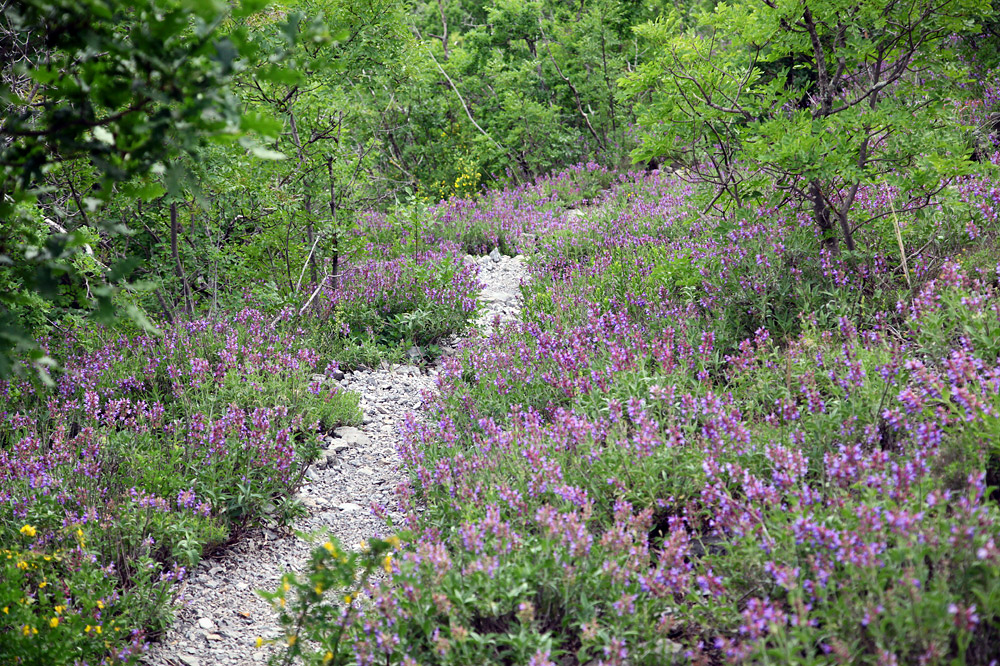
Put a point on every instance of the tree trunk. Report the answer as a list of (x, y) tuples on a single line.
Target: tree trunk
[(823, 217), (178, 265)]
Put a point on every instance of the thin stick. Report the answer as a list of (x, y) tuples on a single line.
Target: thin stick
[(899, 236), (311, 297), (302, 273)]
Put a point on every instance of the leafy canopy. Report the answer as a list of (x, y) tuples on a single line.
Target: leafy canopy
[(813, 99)]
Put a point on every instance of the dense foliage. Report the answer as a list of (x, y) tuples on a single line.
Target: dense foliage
[(704, 445), (750, 413)]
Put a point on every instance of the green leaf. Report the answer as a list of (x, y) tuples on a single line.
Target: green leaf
[(141, 320), (267, 153)]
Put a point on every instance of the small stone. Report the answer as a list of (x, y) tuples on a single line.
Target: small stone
[(319, 378), (349, 507), (495, 255), (241, 587), (214, 637), (367, 471), (206, 623), (189, 660), (353, 436), (414, 354), (337, 375)]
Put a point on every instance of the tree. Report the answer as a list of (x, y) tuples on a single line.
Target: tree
[(327, 104), (814, 98), (95, 97)]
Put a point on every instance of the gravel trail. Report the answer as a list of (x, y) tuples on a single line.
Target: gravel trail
[(222, 615)]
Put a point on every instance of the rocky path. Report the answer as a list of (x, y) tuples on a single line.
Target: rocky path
[(222, 615)]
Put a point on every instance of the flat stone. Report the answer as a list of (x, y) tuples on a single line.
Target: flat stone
[(349, 507), (189, 660), (206, 623), (352, 436)]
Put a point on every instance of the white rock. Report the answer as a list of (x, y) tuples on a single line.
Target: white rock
[(352, 436)]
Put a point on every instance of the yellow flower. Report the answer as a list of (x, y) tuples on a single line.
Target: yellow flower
[(291, 639), (260, 641), (100, 604), (42, 584), (60, 609), (87, 629), (330, 548), (26, 631), (328, 657), (387, 564), (348, 598), (393, 541), (318, 588), (29, 531), (54, 622), (97, 628), (6, 610)]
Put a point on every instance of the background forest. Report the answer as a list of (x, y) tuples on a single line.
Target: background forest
[(750, 413)]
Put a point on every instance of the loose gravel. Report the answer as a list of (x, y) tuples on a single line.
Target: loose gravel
[(221, 614)]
